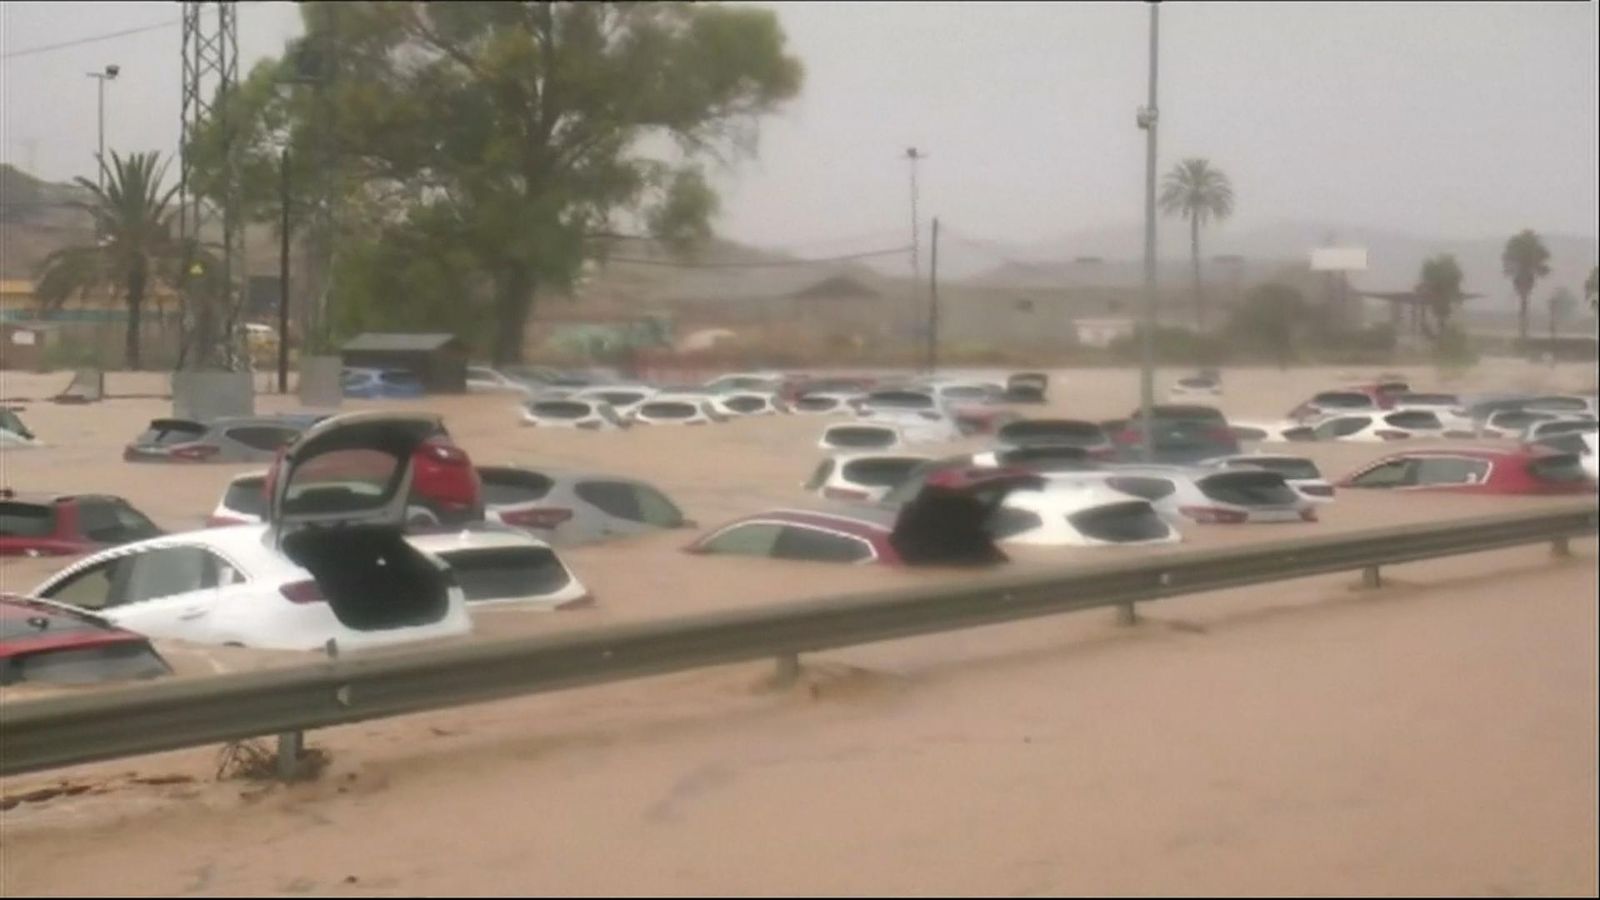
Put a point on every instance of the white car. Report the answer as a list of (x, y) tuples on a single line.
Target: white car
[(1055, 432), (1079, 514), (1300, 473), (624, 398), (571, 412), (745, 381), (1511, 424), (1569, 404), (737, 404), (676, 409), (954, 394), (1195, 386), (900, 400), (1281, 432), (1373, 428), (503, 566), (917, 427), (1585, 445), (864, 477), (862, 436), (1540, 430), (484, 380), (1448, 407), (330, 564), (1331, 403), (1207, 496), (825, 403)]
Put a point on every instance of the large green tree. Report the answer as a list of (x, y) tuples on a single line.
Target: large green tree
[(1525, 260), (513, 135), (135, 246), (1197, 191), (1439, 290)]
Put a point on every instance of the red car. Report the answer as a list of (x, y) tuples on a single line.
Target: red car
[(67, 525), (1475, 471), (943, 524), (443, 480), (41, 642)]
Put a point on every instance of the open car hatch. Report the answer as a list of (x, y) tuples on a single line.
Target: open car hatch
[(946, 523)]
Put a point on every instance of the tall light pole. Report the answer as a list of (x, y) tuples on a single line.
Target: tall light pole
[(1147, 121), (914, 157), (109, 74)]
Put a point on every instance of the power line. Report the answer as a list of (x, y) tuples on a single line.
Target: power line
[(670, 264), (89, 40)]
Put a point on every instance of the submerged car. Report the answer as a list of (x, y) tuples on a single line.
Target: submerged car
[(1056, 432), (1196, 386), (1281, 432), (944, 523), (1229, 497), (240, 439), (571, 508), (1079, 514), (624, 398), (864, 477), (396, 384), (571, 412), (40, 524), (331, 563), (1300, 473), (1511, 424), (1027, 387), (487, 380), (677, 409), (1330, 403), (43, 643), (500, 566), (1523, 471), (1585, 445), (1373, 428)]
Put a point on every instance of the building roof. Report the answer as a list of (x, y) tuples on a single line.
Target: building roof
[(380, 340)]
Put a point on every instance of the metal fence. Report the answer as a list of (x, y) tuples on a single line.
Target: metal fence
[(48, 733)]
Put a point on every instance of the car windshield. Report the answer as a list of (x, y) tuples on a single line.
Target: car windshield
[(745, 403), (166, 432), (502, 487), (620, 398), (1427, 400), (816, 404), (879, 472), (900, 400)]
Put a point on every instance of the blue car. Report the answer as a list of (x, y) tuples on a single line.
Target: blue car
[(381, 383)]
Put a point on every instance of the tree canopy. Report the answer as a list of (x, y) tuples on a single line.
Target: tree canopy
[(1439, 289), (1199, 192), (484, 150), (1525, 260)]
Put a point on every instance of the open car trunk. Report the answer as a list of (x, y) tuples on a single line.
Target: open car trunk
[(339, 513), (946, 523)]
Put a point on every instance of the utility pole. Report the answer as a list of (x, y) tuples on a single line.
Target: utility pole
[(914, 157), (283, 274), (109, 74), (933, 301), (1147, 121)]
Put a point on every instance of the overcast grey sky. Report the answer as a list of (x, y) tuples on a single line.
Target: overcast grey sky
[(1440, 119)]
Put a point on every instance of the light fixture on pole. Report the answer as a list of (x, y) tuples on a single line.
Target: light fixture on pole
[(108, 74)]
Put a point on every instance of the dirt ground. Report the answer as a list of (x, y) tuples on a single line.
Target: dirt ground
[(1288, 738)]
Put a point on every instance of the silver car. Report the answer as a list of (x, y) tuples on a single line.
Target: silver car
[(571, 508), (228, 440)]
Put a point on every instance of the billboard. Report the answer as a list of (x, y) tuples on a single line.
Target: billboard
[(1339, 259)]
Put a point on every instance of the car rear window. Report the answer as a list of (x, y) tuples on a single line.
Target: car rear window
[(559, 409), (488, 574), (1518, 419), (1562, 468), (1009, 522), (1417, 419), (1427, 400), (166, 432), (1565, 404), (1148, 488), (1248, 489), (245, 495), (1565, 427), (110, 521), (819, 476), (502, 487), (860, 436), (1343, 400), (900, 399), (1062, 431), (620, 398), (816, 404), (879, 472), (1120, 522), (27, 519), (669, 410), (263, 437), (122, 661), (1288, 467), (1046, 459), (967, 392), (745, 404)]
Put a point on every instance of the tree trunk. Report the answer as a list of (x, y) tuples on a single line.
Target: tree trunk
[(1522, 317), (1194, 253), (512, 303), (136, 285)]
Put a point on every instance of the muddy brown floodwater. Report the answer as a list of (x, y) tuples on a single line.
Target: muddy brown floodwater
[(1434, 737)]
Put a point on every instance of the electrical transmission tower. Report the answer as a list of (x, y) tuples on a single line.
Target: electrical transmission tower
[(211, 298)]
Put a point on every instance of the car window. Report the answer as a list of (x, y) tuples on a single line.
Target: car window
[(1517, 419), (1566, 443), (500, 572), (1009, 522), (1120, 522), (613, 498), (1185, 412), (1246, 488), (1395, 473), (109, 521), (1564, 427), (1341, 427), (89, 589), (879, 472), (1045, 430), (1565, 404), (1562, 468), (816, 404), (340, 481), (860, 436), (11, 422), (1148, 488), (669, 410), (745, 404), (245, 495), (27, 519), (1451, 470), (752, 539), (163, 573), (1287, 466), (801, 542), (655, 509), (122, 661), (1343, 400), (1046, 458), (819, 475), (900, 399), (262, 437), (501, 487), (1427, 399), (166, 432), (559, 409), (1416, 419), (621, 398)]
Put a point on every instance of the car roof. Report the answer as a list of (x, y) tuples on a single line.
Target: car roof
[(480, 537), (1473, 453), (1068, 496)]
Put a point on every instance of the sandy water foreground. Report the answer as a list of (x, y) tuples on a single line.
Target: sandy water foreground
[(1435, 737)]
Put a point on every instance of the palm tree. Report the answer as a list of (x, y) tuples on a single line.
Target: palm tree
[(1439, 290), (1525, 260), (1196, 191), (132, 219)]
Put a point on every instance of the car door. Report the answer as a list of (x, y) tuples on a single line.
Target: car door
[(1395, 473), (167, 592)]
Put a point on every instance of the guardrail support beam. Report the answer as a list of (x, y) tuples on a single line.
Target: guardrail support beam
[(291, 745), (1371, 578), (1560, 548), (1127, 615), (788, 671)]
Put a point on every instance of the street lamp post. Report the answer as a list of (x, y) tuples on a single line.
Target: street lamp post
[(1147, 121), (914, 157), (109, 74)]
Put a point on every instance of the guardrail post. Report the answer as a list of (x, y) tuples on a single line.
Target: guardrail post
[(1371, 578), (788, 671), (1127, 615), (290, 746), (1560, 548)]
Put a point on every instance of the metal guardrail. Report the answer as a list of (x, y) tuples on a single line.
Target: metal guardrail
[(49, 733)]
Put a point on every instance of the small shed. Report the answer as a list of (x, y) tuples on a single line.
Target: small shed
[(23, 345), (438, 360)]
